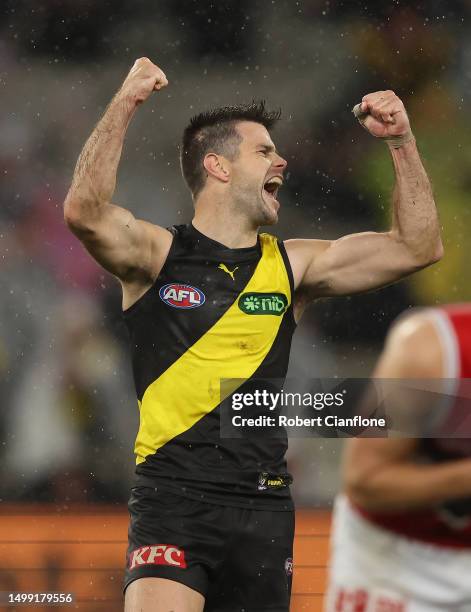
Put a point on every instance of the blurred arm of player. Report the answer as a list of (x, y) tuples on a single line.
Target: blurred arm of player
[(381, 474), (360, 262), (131, 249)]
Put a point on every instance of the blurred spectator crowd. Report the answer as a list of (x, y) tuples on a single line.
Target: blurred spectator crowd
[(68, 412)]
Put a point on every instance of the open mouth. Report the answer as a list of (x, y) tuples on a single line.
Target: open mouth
[(272, 186)]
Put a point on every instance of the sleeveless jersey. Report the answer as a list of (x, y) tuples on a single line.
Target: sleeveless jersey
[(448, 524), (213, 313)]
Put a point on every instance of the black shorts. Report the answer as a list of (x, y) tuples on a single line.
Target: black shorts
[(239, 559)]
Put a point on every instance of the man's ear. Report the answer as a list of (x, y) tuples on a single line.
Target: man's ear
[(217, 166)]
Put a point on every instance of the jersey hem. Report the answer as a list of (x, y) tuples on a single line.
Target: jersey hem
[(282, 504)]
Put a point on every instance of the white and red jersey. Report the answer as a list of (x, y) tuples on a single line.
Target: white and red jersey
[(448, 524)]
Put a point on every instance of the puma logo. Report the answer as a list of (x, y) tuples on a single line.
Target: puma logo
[(224, 268)]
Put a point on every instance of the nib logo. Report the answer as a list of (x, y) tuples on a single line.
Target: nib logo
[(263, 303), (158, 554), (251, 302)]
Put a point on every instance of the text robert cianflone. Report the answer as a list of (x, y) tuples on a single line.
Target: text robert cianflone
[(269, 400), (330, 420), (272, 400)]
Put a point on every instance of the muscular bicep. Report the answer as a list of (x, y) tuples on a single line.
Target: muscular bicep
[(352, 264), (127, 247)]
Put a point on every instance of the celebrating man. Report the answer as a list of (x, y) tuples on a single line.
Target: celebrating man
[(196, 300)]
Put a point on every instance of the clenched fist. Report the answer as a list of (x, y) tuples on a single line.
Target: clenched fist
[(143, 78), (383, 114)]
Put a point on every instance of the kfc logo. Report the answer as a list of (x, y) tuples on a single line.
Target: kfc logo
[(158, 554)]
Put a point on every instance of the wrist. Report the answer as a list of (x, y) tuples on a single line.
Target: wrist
[(395, 142), (126, 101), (403, 151)]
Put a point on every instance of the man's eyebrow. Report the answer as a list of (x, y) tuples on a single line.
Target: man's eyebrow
[(266, 147)]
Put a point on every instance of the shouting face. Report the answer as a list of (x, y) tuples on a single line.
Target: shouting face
[(256, 175)]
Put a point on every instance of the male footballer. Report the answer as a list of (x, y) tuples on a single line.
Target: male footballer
[(401, 539), (212, 520)]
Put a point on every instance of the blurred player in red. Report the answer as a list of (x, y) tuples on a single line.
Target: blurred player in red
[(402, 529)]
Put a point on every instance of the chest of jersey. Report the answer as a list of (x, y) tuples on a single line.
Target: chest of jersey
[(220, 311)]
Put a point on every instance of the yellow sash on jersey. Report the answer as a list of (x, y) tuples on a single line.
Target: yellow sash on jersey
[(234, 347)]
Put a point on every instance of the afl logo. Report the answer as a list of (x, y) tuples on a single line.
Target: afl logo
[(178, 295)]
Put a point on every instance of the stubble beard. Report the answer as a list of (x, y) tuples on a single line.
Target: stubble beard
[(270, 215), (253, 207)]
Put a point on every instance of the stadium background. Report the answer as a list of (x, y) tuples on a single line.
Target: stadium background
[(69, 416)]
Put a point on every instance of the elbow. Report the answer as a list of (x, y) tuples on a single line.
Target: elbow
[(362, 494), (71, 214), (438, 252), (419, 253), (79, 215), (364, 500), (432, 255), (358, 495), (75, 221), (422, 258)]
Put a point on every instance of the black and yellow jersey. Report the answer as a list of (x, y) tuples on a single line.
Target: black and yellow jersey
[(213, 313)]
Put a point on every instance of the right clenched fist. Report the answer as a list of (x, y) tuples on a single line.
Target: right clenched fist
[(143, 78)]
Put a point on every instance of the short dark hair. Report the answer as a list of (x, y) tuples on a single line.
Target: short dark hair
[(215, 131)]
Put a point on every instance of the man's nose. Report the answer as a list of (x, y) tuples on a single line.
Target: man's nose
[(280, 163)]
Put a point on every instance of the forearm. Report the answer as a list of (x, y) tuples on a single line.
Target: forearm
[(407, 486), (94, 179), (415, 219)]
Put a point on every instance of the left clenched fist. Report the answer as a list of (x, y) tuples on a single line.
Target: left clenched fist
[(383, 114)]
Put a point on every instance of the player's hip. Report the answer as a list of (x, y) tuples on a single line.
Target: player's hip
[(233, 556)]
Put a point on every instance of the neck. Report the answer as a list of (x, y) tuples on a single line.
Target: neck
[(219, 221)]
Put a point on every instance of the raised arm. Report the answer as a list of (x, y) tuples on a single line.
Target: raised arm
[(365, 261), (130, 249)]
